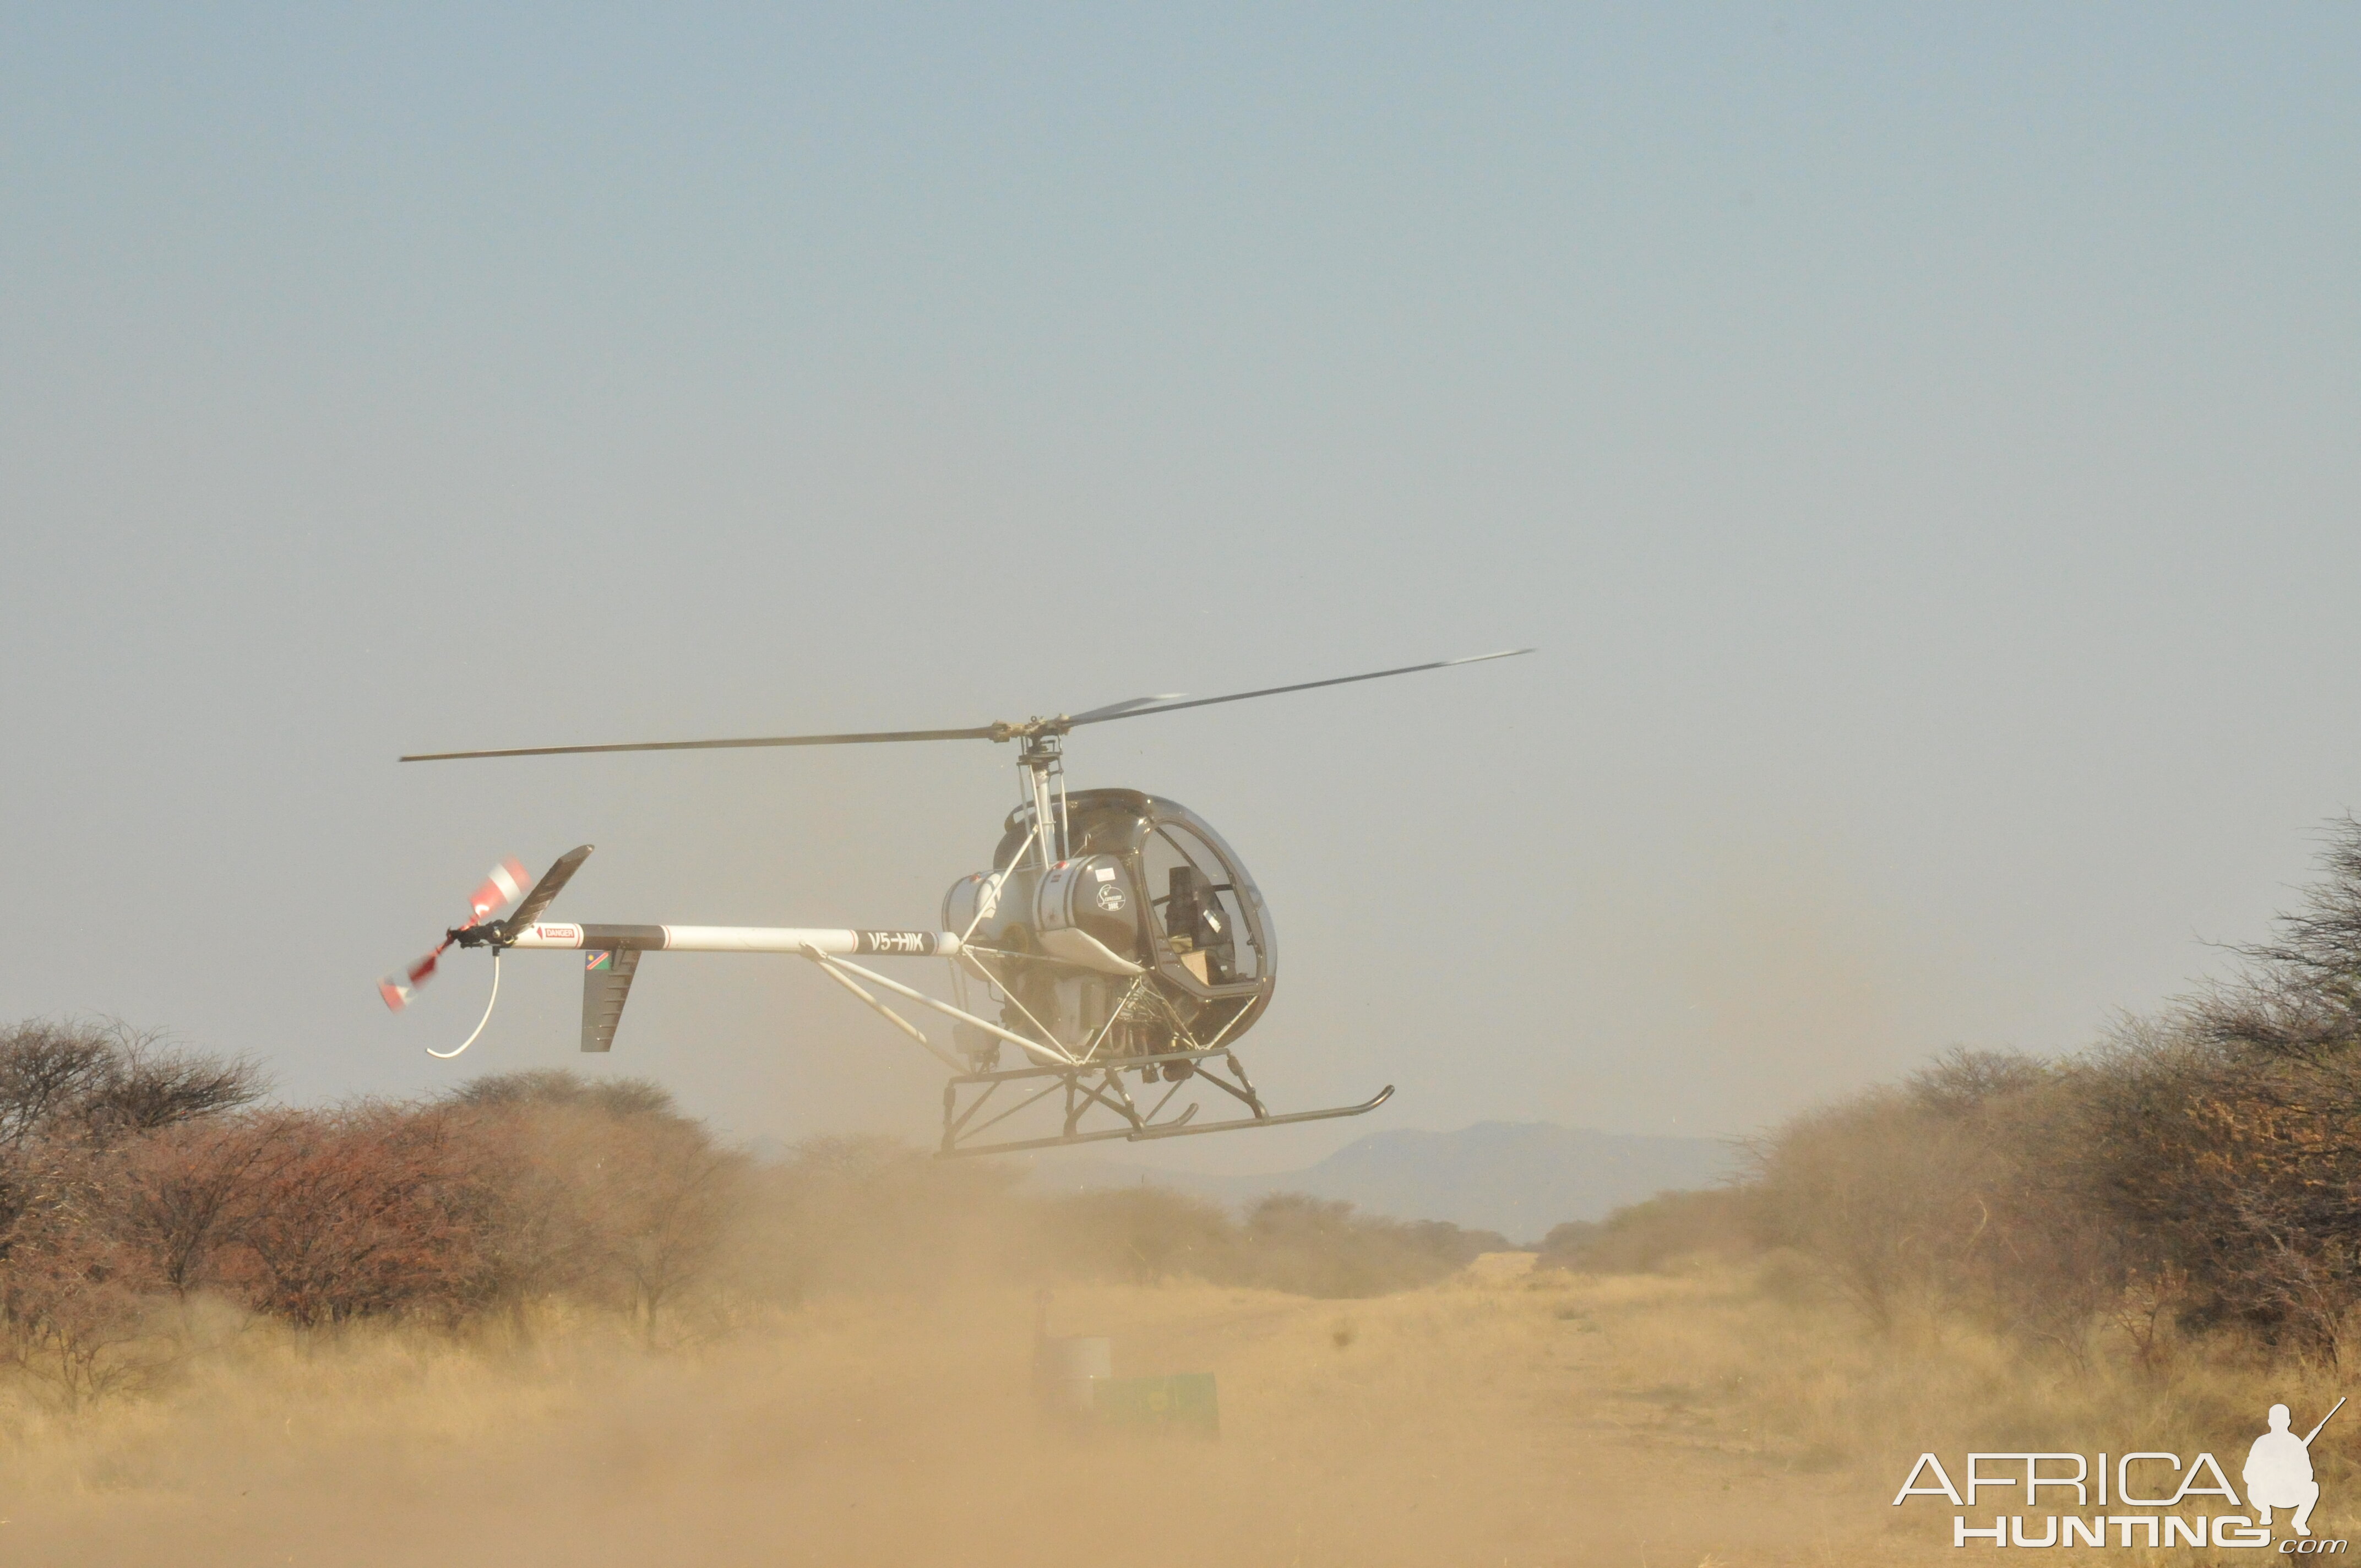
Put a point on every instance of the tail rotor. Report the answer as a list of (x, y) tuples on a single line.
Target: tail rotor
[(503, 887)]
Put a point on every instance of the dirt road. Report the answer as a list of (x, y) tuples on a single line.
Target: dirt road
[(1495, 1420)]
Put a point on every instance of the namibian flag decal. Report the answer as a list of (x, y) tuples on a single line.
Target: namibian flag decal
[(599, 960)]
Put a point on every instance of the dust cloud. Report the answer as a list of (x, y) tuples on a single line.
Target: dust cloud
[(1484, 1419)]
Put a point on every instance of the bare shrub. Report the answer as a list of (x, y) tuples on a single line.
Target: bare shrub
[(76, 1276), (2300, 998), (1875, 1189), (189, 1192), (156, 1087), (74, 1294), (2198, 1168), (104, 1080), (47, 1071), (601, 1189), (1323, 1247), (2232, 1124), (1311, 1247), (1143, 1234), (2236, 1169), (1968, 1185), (1317, 1246), (662, 1201), (1648, 1237), (364, 1210), (545, 1087)]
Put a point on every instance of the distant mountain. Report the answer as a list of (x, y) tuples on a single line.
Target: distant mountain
[(1516, 1178)]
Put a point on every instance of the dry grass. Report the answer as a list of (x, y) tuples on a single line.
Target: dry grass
[(1756, 1363), (1500, 1417)]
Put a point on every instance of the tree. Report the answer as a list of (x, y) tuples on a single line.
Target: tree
[(72, 1293), (659, 1191), (362, 1211), (190, 1190), (104, 1081)]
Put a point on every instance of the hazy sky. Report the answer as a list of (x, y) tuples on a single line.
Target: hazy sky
[(1924, 446)]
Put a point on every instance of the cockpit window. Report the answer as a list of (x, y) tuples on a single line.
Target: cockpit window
[(1196, 906)]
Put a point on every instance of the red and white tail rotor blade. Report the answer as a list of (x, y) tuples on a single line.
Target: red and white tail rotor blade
[(503, 887), (397, 989)]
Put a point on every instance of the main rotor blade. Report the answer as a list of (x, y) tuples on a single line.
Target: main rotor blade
[(873, 738), (1117, 709), (553, 882), (1128, 710)]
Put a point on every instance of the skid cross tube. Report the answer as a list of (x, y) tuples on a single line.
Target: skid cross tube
[(1182, 1126), (1098, 1084), (1002, 1074), (1017, 1146), (1081, 1096)]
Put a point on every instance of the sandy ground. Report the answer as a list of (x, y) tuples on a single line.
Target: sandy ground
[(1499, 1419)]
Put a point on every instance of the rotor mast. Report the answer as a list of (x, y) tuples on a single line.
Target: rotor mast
[(1041, 759)]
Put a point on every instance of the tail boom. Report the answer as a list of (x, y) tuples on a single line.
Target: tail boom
[(737, 940)]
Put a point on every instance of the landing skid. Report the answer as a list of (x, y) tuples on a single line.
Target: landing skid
[(1099, 1088)]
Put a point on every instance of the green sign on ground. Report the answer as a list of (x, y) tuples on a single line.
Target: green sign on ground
[(1182, 1402)]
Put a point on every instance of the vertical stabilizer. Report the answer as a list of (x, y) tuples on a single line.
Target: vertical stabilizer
[(606, 982)]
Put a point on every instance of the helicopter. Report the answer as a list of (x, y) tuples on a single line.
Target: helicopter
[(1114, 935)]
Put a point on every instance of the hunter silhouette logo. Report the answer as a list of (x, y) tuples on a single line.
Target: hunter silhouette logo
[(2277, 1476), (2278, 1471)]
